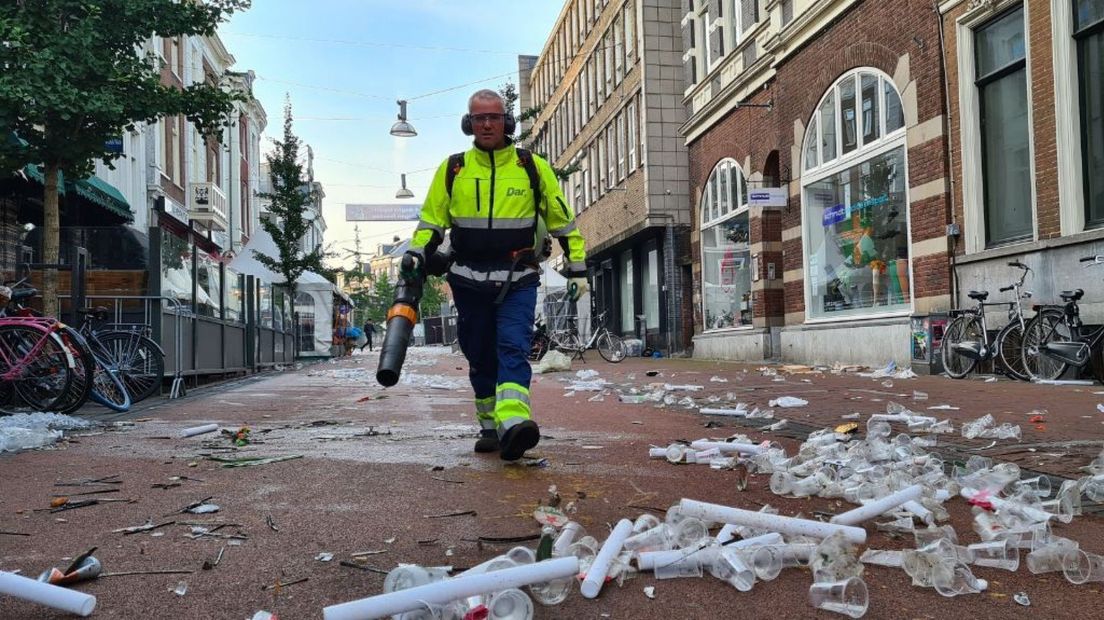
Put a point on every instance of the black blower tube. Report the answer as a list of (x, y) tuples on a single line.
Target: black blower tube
[(400, 326)]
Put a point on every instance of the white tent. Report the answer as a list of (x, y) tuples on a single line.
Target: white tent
[(315, 304)]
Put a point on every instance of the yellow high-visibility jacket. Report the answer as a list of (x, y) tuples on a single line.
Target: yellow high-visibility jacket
[(491, 215)]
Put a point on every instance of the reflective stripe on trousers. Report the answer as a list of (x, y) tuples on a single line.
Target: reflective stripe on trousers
[(484, 412)]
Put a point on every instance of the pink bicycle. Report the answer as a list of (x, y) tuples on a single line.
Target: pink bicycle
[(37, 368)]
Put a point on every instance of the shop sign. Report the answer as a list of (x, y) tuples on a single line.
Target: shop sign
[(767, 197), (834, 215)]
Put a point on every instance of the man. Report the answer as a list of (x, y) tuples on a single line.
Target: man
[(369, 331), (488, 197)]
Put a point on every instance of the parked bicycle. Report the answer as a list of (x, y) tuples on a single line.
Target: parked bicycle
[(1054, 340), (966, 342), (130, 352), (610, 345)]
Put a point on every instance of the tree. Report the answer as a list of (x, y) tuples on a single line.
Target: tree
[(377, 300), (433, 296), (74, 77), (289, 200), (510, 96)]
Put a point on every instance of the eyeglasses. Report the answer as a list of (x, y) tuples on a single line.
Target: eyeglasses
[(487, 118)]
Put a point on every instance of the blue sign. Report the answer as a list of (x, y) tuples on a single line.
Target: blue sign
[(114, 145), (834, 215), (343, 309)]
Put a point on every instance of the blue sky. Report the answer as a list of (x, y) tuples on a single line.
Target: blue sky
[(354, 49)]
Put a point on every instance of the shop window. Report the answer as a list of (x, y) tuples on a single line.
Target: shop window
[(208, 285), (855, 204), (176, 268), (650, 279), (1088, 17), (233, 298), (1001, 65), (726, 249)]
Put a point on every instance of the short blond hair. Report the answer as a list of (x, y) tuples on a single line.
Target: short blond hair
[(486, 94)]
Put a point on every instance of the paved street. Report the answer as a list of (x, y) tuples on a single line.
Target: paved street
[(379, 468)]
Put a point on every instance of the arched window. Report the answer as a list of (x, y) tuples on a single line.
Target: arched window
[(855, 207), (726, 249)]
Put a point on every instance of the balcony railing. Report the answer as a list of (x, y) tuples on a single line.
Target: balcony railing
[(209, 205)]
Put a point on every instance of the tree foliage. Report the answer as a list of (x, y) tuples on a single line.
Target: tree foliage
[(72, 76), (289, 201)]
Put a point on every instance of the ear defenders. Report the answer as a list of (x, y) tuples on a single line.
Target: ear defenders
[(509, 125)]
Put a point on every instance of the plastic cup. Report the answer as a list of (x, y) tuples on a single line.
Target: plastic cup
[(689, 565), (848, 597), (689, 533), (656, 538), (512, 604), (1081, 567), (406, 576), (1049, 558), (996, 554), (728, 565), (957, 581), (765, 561), (645, 522), (522, 555), (553, 592)]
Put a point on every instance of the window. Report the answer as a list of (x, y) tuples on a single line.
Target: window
[(1089, 34), (706, 53), (588, 96), (630, 34), (726, 249), (640, 109), (585, 181), (595, 171), (607, 49), (603, 182), (232, 298), (854, 198), (621, 149), (631, 121), (618, 49), (611, 162), (174, 150), (599, 78), (628, 309), (1001, 65), (649, 277)]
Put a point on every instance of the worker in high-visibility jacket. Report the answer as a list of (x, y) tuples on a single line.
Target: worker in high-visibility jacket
[(498, 202)]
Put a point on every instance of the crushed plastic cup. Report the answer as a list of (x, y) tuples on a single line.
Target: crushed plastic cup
[(974, 428), (510, 604), (848, 597), (729, 566), (1049, 558), (883, 557), (689, 532), (765, 561), (1082, 567), (959, 581), (996, 554)]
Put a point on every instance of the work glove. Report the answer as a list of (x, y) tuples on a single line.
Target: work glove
[(576, 288), (410, 269)]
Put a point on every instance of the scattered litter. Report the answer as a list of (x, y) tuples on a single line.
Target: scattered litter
[(203, 509), (83, 568), (199, 430), (649, 591), (850, 416), (26, 431), (716, 379), (264, 615), (1100, 407), (388, 541), (1065, 382), (788, 402), (278, 584), (917, 395), (324, 557), (553, 361), (943, 408), (683, 388), (1022, 599), (991, 380), (455, 513), (633, 399), (983, 428), (586, 375), (181, 588), (549, 515), (249, 461)]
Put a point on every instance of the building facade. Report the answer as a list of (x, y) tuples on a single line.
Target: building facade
[(819, 177), (608, 88), (1026, 95)]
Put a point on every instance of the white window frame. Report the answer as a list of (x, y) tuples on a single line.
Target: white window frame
[(607, 51), (622, 149), (618, 49), (603, 181), (1067, 103), (595, 172), (629, 19), (611, 158), (973, 195), (631, 135), (721, 216), (863, 152)]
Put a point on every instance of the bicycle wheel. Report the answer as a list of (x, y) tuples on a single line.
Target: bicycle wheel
[(107, 388), (138, 360), (963, 330), (81, 387), (611, 347), (1009, 350), (1047, 326), (41, 381)]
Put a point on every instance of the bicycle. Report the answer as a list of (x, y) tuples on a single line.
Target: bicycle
[(1053, 340), (966, 341), (36, 367), (610, 346), (138, 360)]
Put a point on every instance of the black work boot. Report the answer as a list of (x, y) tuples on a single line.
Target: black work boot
[(517, 439), (487, 442)]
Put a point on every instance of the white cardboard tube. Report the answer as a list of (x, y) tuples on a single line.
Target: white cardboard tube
[(919, 511), (199, 430), (739, 413), (596, 574), (657, 453), (566, 537), (725, 447), (648, 560), (46, 594), (727, 533), (788, 526), (878, 506), (443, 592)]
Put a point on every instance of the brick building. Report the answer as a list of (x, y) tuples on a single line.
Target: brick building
[(608, 85), (1026, 101), (837, 106)]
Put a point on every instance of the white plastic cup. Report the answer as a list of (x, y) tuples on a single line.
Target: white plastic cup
[(645, 522), (1081, 567), (510, 604), (1048, 558), (848, 597), (63, 599), (199, 430), (729, 565), (996, 554)]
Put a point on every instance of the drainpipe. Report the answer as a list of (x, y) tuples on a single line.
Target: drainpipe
[(950, 151)]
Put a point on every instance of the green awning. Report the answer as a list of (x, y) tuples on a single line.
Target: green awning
[(93, 189)]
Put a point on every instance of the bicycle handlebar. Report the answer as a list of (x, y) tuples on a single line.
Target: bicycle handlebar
[(1088, 259), (1017, 264), (1005, 289)]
